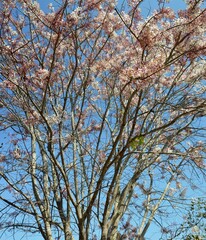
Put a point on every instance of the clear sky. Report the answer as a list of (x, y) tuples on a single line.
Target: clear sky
[(147, 5)]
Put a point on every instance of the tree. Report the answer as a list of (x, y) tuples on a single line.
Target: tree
[(194, 225), (102, 115)]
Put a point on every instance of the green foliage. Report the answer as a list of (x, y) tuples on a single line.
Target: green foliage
[(195, 224), (138, 141)]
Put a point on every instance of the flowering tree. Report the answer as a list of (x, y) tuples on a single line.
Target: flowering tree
[(101, 115)]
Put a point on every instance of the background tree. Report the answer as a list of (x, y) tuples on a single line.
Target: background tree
[(194, 225), (101, 117), (195, 221)]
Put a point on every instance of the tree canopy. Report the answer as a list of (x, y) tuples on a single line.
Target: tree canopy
[(102, 110)]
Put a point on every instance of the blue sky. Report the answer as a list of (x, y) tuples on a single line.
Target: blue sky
[(147, 5)]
